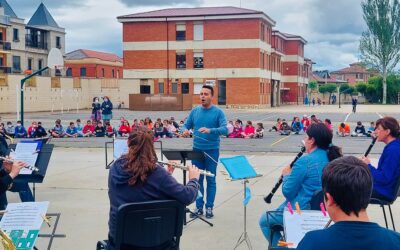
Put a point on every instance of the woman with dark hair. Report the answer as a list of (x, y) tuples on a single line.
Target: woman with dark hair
[(136, 177), (96, 107), (304, 179), (388, 171), (106, 108)]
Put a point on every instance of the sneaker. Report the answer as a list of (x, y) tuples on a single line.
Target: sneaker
[(209, 213), (196, 213)]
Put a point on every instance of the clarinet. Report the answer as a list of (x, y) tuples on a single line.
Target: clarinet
[(370, 147), (268, 198)]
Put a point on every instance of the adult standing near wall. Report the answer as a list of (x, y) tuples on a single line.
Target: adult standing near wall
[(208, 123), (106, 108), (96, 107)]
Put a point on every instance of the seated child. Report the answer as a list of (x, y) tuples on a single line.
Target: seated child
[(344, 129), (99, 130), (248, 131), (259, 130), (71, 131), (237, 130), (88, 129)]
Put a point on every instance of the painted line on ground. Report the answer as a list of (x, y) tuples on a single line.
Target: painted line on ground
[(280, 140), (380, 116), (347, 117)]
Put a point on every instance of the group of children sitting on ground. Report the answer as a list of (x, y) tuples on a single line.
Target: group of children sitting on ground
[(237, 130), (167, 128), (298, 127)]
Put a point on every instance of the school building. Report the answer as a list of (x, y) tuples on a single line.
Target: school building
[(234, 49)]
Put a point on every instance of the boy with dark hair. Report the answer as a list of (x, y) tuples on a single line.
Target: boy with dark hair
[(58, 130), (100, 131), (71, 131), (347, 187), (88, 129), (40, 131), (10, 130), (20, 131)]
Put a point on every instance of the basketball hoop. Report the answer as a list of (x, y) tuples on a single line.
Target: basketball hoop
[(58, 71), (55, 62)]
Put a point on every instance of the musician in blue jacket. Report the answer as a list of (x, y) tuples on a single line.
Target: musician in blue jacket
[(304, 179), (136, 177), (387, 173)]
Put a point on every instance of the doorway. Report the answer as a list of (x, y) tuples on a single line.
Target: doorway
[(221, 92)]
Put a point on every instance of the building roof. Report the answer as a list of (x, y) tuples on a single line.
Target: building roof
[(322, 76), (287, 36), (195, 12), (8, 11), (355, 68), (42, 17), (85, 53)]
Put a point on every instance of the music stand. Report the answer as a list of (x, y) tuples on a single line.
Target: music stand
[(184, 155), (240, 169), (42, 163)]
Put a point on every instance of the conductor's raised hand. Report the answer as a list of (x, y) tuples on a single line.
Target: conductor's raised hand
[(16, 168), (204, 130), (194, 172)]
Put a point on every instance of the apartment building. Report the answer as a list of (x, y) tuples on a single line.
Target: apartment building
[(24, 47), (356, 72), (234, 49), (95, 64)]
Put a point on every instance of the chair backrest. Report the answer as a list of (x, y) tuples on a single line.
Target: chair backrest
[(149, 224), (316, 200)]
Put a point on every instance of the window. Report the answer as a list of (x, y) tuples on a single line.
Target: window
[(359, 76), (181, 32), (83, 71), (69, 72), (262, 32), (161, 88), (30, 60), (174, 88), (113, 73), (102, 72), (198, 32), (181, 60), (15, 35), (197, 88), (17, 63), (185, 88), (198, 60), (40, 65), (261, 60), (58, 42)]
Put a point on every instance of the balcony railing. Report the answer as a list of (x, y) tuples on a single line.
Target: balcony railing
[(5, 45), (5, 20), (29, 42), (5, 70)]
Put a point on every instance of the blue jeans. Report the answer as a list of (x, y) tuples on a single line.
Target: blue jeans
[(25, 194), (211, 166), (274, 218)]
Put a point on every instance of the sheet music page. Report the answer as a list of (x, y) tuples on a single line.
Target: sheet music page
[(120, 148), (297, 225), (22, 222), (26, 152)]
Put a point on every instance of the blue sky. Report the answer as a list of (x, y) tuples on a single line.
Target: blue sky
[(332, 28)]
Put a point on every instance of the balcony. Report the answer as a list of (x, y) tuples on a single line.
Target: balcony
[(5, 70), (5, 20), (5, 45), (31, 43)]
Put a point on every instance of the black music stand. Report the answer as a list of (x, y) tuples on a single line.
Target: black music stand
[(185, 155), (42, 163)]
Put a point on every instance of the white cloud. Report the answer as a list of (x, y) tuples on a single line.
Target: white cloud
[(332, 29)]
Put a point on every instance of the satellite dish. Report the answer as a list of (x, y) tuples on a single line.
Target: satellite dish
[(55, 59)]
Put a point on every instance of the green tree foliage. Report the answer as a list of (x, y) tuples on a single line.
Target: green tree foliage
[(380, 44), (322, 89), (361, 87), (375, 85), (330, 88)]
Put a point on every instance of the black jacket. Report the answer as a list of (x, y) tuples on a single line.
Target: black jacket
[(5, 178)]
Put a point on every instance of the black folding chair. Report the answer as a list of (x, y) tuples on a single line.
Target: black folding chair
[(147, 225), (387, 202)]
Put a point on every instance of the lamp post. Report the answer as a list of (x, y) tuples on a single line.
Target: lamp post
[(22, 91)]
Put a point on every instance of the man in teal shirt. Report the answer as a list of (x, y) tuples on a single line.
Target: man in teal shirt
[(208, 123)]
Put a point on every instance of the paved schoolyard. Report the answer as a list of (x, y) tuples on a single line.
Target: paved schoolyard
[(76, 181)]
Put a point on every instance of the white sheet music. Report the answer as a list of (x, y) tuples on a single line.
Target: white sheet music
[(120, 148), (24, 216), (297, 225), (26, 152)]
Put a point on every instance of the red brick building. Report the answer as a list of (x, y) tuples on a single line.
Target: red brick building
[(234, 49), (357, 72), (89, 63)]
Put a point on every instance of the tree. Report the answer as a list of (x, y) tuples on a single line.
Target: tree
[(376, 83), (380, 44), (312, 86), (361, 87), (322, 89), (330, 88)]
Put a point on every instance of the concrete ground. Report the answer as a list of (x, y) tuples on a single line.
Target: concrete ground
[(76, 181)]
